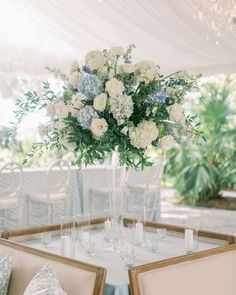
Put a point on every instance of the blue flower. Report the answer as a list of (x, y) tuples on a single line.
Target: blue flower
[(90, 86), (158, 96), (86, 115), (86, 69)]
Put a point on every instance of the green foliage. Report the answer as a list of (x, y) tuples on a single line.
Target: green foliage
[(204, 168)]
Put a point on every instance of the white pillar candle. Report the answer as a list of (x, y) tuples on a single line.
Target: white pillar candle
[(66, 246), (189, 240), (107, 229), (85, 238), (139, 233)]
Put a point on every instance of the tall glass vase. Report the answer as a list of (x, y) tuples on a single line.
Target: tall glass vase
[(116, 182)]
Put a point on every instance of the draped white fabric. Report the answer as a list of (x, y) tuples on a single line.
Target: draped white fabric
[(36, 33)]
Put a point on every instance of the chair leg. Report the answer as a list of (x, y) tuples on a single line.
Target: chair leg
[(29, 214), (18, 216)]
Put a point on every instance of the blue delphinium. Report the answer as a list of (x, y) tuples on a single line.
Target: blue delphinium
[(86, 69), (86, 115), (158, 96), (90, 86)]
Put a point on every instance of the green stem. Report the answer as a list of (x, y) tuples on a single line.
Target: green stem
[(168, 76)]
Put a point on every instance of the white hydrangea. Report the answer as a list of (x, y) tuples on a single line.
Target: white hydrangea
[(144, 134), (99, 127), (117, 50), (74, 78), (74, 66), (50, 110), (146, 71), (95, 59), (167, 142), (121, 107), (100, 102), (176, 113), (128, 68), (114, 87), (42, 130), (61, 109), (103, 72)]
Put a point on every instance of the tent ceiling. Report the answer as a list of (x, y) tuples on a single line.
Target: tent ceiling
[(54, 32)]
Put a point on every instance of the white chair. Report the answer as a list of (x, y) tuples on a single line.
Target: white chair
[(145, 182), (105, 192), (10, 190), (57, 189)]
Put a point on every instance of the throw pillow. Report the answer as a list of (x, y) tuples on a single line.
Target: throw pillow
[(45, 282)]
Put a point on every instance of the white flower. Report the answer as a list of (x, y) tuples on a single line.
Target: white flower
[(59, 125), (42, 130), (77, 100), (95, 59), (111, 73), (66, 143), (176, 113), (50, 110), (167, 142), (99, 103), (99, 127), (121, 107), (128, 68), (114, 87), (144, 134), (146, 71), (74, 66), (103, 72), (117, 50), (74, 78), (125, 130), (61, 109)]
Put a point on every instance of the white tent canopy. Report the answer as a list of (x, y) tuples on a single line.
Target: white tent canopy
[(35, 33)]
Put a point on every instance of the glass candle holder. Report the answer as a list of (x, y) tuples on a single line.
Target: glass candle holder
[(190, 239), (66, 239)]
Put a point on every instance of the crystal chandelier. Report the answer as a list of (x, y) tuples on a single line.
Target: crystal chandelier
[(219, 15)]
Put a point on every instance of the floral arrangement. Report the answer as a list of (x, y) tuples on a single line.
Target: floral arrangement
[(111, 103)]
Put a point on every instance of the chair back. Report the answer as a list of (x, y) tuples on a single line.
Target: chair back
[(207, 272), (147, 176), (11, 180), (74, 276), (58, 177)]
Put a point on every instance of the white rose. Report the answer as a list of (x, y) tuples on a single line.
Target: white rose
[(114, 87), (61, 109), (95, 59), (167, 142), (42, 130), (50, 110), (146, 71), (74, 79), (117, 50), (99, 102), (176, 113), (98, 127), (128, 68)]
